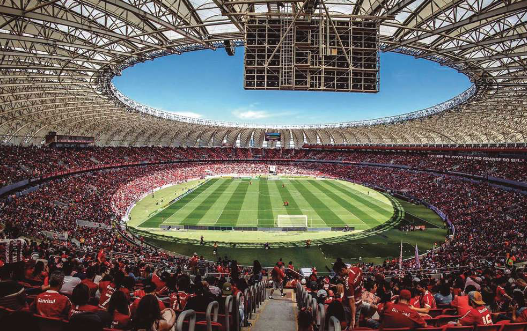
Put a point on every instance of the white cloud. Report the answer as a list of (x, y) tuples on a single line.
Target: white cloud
[(251, 114), (188, 114)]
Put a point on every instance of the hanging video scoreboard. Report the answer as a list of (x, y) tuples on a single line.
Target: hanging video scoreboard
[(316, 54), (273, 136)]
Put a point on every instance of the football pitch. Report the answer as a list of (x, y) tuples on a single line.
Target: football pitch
[(259, 202)]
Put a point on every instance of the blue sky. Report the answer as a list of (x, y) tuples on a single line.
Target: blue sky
[(209, 84)]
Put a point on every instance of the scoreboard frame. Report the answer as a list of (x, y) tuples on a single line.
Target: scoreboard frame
[(311, 53)]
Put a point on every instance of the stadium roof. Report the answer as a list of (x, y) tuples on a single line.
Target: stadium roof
[(57, 59)]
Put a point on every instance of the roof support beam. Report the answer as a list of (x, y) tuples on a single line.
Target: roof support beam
[(474, 18)]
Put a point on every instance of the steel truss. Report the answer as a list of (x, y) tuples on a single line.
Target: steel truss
[(57, 59)]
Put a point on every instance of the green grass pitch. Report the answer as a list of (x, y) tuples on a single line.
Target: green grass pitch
[(234, 202)]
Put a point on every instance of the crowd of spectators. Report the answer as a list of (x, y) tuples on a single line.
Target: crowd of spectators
[(490, 222), (413, 300), (103, 269), (19, 163), (101, 289)]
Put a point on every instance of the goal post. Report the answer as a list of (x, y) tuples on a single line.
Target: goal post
[(292, 221)]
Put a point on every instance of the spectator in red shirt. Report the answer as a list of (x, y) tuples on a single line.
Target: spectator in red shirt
[(426, 299), (178, 299), (278, 276), (478, 313), (51, 303), (109, 286), (400, 314), (352, 289), (501, 295), (88, 281), (79, 299), (118, 309), (160, 281), (461, 302), (149, 289)]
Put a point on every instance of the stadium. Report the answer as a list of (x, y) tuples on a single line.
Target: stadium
[(115, 214)]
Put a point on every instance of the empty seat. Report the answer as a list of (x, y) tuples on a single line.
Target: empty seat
[(514, 327), (50, 323), (491, 327), (459, 328)]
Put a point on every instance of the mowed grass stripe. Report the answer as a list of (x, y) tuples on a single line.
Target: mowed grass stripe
[(265, 212), (229, 215), (325, 213), (197, 214), (183, 212), (313, 219), (293, 208), (359, 214), (386, 205), (358, 198), (211, 216), (156, 220), (249, 213)]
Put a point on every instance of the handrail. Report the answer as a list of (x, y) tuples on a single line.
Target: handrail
[(228, 309), (212, 309), (237, 310), (334, 324), (186, 314), (321, 317), (314, 305)]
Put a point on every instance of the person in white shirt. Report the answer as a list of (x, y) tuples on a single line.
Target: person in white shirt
[(69, 281)]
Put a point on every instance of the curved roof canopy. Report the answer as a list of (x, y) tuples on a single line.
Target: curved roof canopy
[(57, 58)]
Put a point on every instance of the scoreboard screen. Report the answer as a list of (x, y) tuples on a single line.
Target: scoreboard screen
[(272, 136)]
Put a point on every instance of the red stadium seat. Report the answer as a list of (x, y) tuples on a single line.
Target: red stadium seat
[(449, 311), (443, 320), (50, 323), (19, 320), (459, 328), (435, 312), (429, 329), (5, 312), (491, 327), (514, 327)]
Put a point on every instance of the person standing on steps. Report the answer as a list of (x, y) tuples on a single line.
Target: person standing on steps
[(278, 276), (352, 280)]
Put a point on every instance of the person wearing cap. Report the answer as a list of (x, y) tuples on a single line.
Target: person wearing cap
[(400, 314), (478, 313), (226, 290), (462, 302)]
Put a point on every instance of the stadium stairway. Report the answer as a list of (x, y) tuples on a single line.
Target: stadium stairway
[(278, 313)]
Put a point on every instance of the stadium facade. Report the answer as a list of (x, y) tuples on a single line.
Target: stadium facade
[(58, 59)]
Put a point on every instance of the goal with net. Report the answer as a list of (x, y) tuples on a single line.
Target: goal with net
[(292, 221)]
